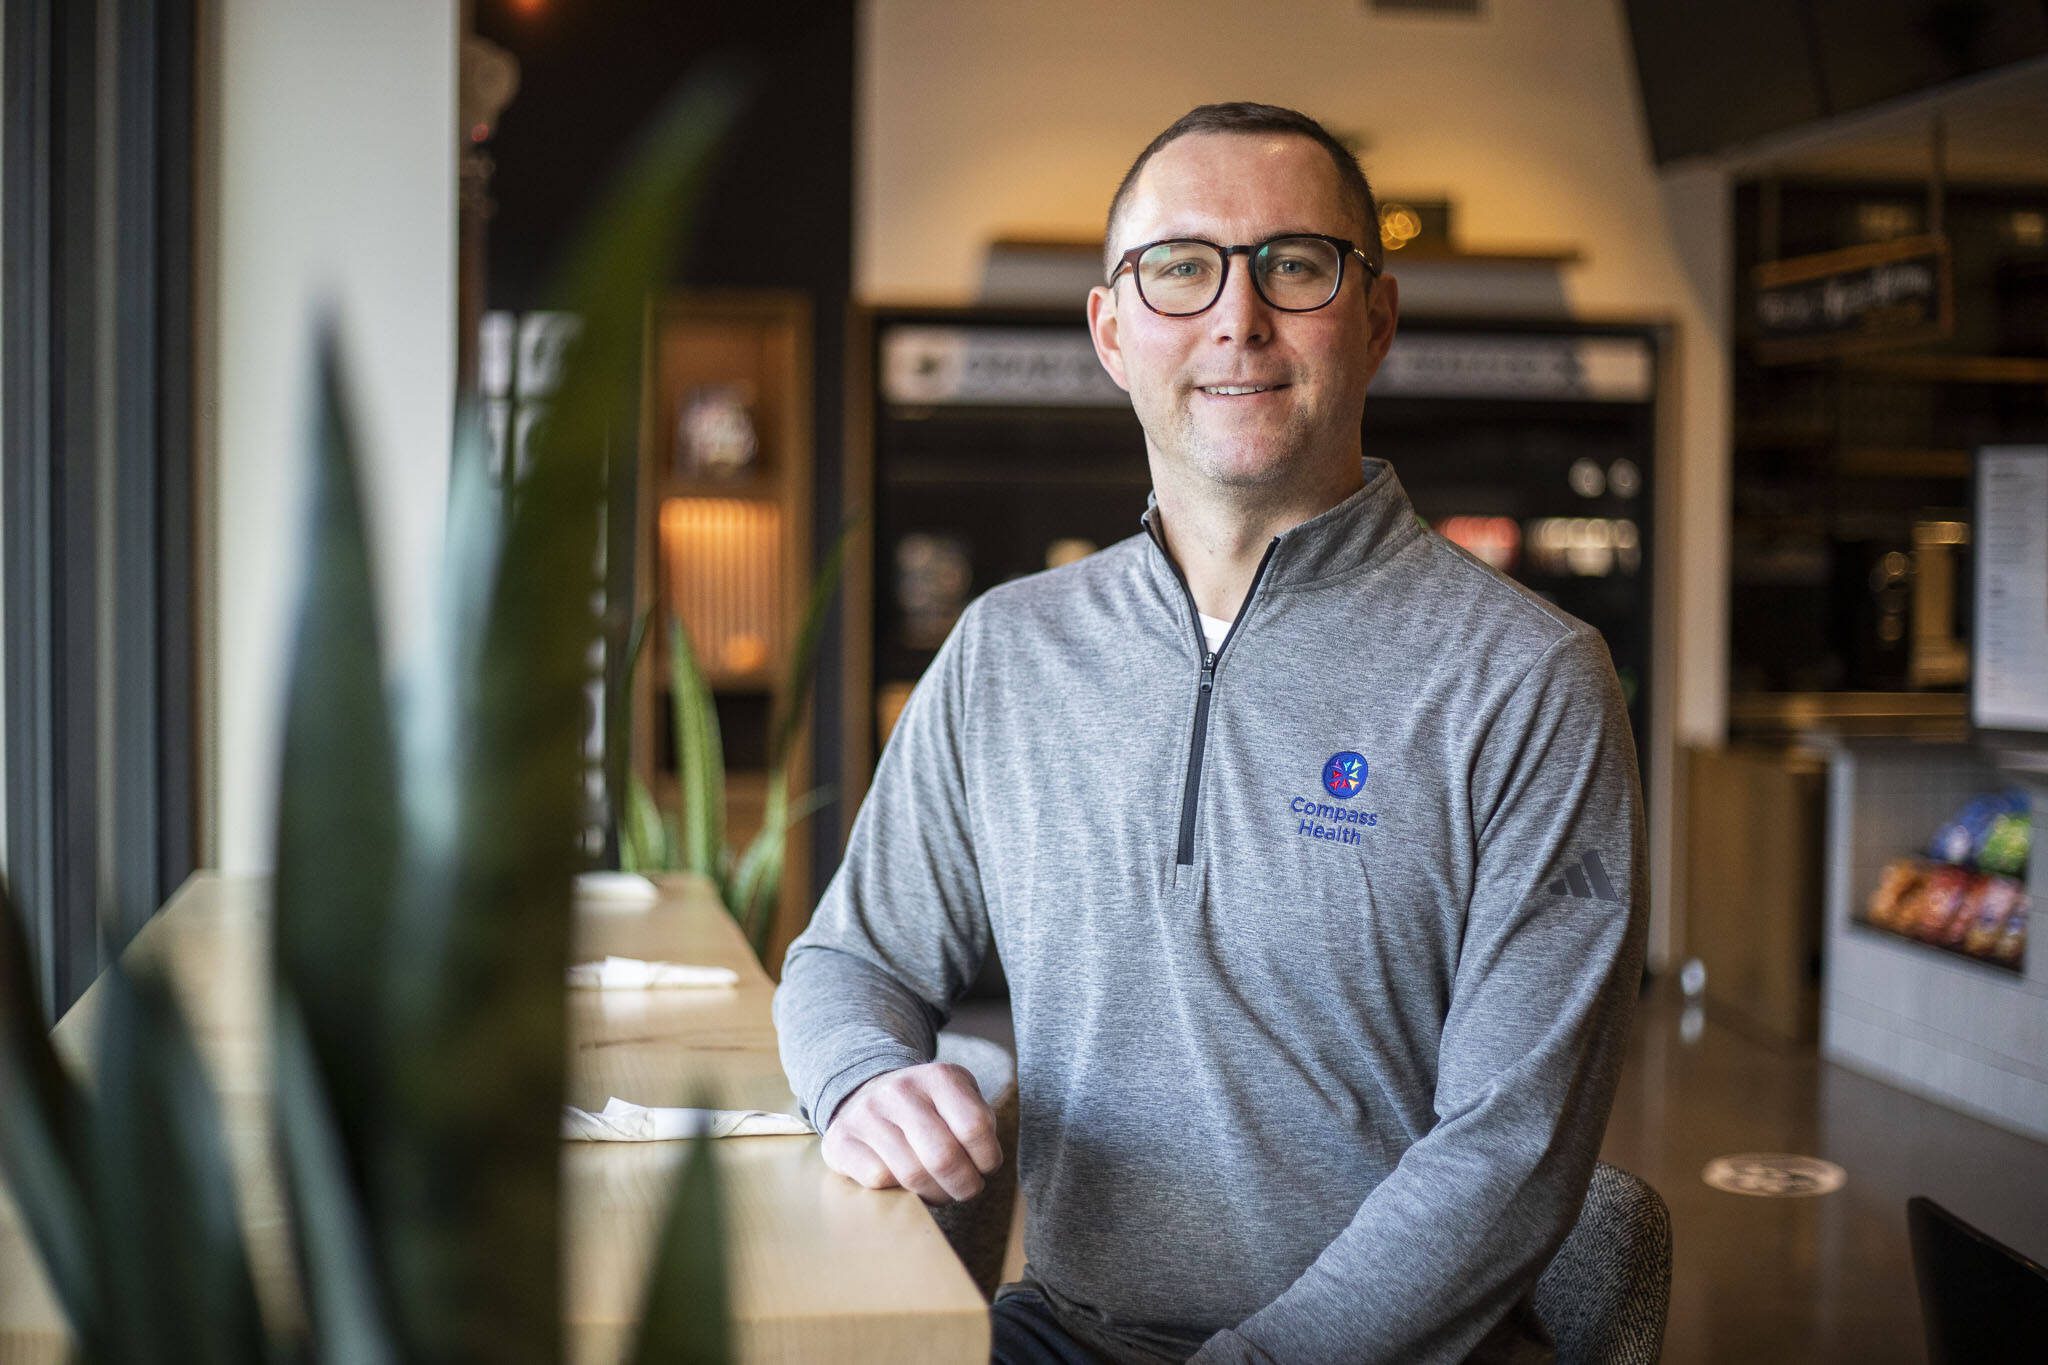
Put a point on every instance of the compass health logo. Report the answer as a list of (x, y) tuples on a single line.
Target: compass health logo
[(1343, 777)]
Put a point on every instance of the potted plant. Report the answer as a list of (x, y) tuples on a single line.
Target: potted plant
[(426, 852)]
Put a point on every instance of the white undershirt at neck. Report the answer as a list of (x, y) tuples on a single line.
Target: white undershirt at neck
[(1213, 631)]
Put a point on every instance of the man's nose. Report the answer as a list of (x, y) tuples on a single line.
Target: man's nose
[(1239, 313)]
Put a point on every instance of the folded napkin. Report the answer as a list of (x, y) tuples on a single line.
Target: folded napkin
[(620, 889), (624, 1122), (632, 974)]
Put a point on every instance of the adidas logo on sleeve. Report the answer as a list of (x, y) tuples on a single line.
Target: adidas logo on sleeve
[(1586, 880)]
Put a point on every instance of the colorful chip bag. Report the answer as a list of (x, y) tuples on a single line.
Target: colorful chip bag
[(1961, 838), (2006, 844), (1994, 904), (1895, 886)]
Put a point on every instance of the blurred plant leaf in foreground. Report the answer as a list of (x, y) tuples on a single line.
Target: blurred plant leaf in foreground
[(177, 1277), (43, 1126)]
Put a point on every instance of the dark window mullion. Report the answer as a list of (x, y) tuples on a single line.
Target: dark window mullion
[(74, 499), (26, 324), (175, 701), (131, 805)]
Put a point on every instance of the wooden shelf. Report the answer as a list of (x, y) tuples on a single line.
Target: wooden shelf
[(1504, 256), (1010, 476), (1931, 715), (755, 488), (1881, 463), (1961, 369), (740, 575), (1878, 931)]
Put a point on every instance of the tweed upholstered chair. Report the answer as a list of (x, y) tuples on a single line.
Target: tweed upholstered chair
[(1607, 1290), (979, 1230)]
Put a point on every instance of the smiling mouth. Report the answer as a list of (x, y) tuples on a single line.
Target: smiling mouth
[(1237, 390)]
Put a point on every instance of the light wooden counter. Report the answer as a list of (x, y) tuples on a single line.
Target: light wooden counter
[(821, 1270)]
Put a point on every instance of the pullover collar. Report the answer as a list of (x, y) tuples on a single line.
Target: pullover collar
[(1366, 529)]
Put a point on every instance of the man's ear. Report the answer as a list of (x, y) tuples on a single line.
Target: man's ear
[(1382, 318), (1102, 330)]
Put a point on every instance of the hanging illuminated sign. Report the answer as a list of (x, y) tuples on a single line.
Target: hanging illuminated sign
[(1862, 298)]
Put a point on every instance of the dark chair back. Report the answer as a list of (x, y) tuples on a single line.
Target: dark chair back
[(1981, 1300), (1606, 1292)]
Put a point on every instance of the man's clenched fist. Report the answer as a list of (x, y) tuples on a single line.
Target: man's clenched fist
[(925, 1128)]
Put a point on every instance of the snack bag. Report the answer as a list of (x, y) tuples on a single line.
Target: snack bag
[(2006, 844), (2012, 941), (1943, 896), (1902, 876), (1994, 905), (1961, 838)]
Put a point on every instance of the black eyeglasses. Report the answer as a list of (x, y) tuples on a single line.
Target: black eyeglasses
[(1181, 277)]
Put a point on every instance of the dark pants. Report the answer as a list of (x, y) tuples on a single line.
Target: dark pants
[(1025, 1333)]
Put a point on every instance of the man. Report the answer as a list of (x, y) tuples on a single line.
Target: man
[(1309, 843)]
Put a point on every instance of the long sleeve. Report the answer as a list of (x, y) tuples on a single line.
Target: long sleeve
[(903, 926), (1529, 1054)]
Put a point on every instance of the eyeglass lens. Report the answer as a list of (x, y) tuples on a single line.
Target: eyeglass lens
[(1295, 274)]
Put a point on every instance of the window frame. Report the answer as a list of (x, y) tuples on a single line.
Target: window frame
[(97, 488)]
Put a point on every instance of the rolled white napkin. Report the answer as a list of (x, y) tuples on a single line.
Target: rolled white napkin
[(619, 889), (633, 974), (622, 1121)]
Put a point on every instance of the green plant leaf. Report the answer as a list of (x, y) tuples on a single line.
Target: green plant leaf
[(177, 1274), (757, 882), (700, 758), (636, 645), (802, 675), (645, 844), (686, 1317), (619, 776), (466, 1207), (672, 840), (337, 805), (43, 1134), (336, 1257)]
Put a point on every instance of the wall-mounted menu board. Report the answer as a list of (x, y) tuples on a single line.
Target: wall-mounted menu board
[(2009, 657)]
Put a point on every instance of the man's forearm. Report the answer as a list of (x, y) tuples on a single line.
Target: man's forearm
[(841, 1021), (1445, 1245)]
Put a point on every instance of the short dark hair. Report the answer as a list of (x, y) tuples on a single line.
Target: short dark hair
[(1258, 118)]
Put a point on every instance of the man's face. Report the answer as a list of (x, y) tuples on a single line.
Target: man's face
[(1310, 369)]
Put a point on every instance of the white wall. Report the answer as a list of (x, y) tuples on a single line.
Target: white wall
[(981, 119), (328, 178)]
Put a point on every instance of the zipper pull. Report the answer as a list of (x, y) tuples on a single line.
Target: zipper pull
[(1208, 670)]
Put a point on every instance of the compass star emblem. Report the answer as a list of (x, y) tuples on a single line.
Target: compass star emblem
[(1344, 774)]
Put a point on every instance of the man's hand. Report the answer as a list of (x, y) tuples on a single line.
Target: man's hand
[(925, 1128)]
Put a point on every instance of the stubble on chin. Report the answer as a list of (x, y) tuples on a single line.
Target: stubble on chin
[(1216, 459)]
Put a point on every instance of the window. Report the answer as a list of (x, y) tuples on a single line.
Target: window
[(96, 485)]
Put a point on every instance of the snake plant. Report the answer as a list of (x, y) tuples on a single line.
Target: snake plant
[(427, 844), (693, 838)]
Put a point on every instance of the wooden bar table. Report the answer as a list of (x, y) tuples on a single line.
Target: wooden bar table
[(820, 1269)]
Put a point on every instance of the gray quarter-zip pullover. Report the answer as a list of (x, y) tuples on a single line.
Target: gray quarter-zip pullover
[(1322, 946)]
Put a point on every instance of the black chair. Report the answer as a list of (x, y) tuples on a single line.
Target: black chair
[(1605, 1294), (1982, 1301)]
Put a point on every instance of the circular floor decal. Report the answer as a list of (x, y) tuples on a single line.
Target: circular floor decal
[(1774, 1175)]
